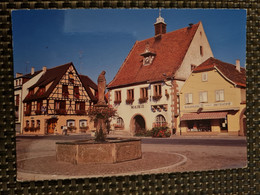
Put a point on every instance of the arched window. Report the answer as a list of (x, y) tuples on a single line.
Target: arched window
[(160, 121), (119, 123)]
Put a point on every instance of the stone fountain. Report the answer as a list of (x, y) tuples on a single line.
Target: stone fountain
[(100, 149)]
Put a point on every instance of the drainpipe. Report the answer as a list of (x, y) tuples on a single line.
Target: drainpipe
[(179, 100), (170, 85)]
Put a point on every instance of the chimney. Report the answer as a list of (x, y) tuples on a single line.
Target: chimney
[(32, 71), (160, 25), (238, 65), (44, 69)]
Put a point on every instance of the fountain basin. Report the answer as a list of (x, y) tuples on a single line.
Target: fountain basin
[(88, 151)]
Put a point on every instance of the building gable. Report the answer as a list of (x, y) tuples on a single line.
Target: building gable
[(198, 51)]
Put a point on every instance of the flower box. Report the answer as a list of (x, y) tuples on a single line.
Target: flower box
[(117, 101), (157, 97), (143, 100), (129, 101)]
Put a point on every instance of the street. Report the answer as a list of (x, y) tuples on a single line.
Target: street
[(36, 157)]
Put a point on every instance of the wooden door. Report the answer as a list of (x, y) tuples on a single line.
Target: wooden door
[(52, 123)]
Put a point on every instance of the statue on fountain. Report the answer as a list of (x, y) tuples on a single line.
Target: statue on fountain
[(101, 88)]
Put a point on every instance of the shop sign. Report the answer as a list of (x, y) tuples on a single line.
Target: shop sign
[(137, 106), (208, 105)]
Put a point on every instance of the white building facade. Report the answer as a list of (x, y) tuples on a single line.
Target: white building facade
[(146, 87), (21, 85)]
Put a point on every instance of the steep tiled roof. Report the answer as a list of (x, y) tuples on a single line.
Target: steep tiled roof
[(169, 49), (54, 75), (228, 70), (88, 83), (51, 75)]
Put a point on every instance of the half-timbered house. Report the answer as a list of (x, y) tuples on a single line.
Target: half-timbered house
[(61, 97)]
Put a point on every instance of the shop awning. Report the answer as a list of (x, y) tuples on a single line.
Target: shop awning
[(203, 116)]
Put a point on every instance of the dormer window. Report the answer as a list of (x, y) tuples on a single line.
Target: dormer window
[(148, 56)]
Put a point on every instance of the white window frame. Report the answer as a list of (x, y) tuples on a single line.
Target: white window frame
[(188, 98), (83, 121), (160, 120), (220, 95), (70, 121), (204, 76), (203, 96)]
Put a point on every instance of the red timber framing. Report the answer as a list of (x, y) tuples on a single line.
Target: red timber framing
[(69, 97)]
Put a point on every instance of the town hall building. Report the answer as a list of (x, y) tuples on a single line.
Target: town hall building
[(146, 87)]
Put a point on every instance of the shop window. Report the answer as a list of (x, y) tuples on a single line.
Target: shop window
[(117, 97), (204, 76), (203, 96), (188, 98), (143, 95), (160, 121), (130, 96), (220, 95), (65, 91)]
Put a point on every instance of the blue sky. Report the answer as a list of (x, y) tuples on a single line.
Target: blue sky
[(100, 39)]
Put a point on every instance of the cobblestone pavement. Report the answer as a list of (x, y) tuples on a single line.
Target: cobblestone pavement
[(36, 157)]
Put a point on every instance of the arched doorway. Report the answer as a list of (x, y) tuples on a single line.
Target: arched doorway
[(138, 124)]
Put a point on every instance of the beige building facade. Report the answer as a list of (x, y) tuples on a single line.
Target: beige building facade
[(212, 100)]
